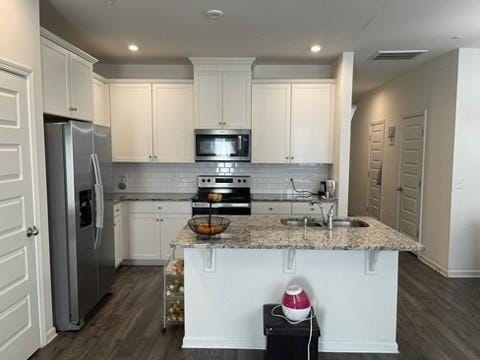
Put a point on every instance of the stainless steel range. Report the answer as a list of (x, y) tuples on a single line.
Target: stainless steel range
[(235, 191)]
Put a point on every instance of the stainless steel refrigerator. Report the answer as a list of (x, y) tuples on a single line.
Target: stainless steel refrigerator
[(80, 209)]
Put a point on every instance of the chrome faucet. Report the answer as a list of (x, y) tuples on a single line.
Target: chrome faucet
[(326, 219)]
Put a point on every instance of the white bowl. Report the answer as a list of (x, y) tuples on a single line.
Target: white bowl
[(295, 314)]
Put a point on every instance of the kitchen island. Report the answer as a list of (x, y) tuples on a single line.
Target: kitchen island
[(350, 274)]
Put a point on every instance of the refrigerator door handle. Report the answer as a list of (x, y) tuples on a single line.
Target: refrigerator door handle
[(99, 201)]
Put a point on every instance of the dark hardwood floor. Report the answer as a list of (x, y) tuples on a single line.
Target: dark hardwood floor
[(438, 319)]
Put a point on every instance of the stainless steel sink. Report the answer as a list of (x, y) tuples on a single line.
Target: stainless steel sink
[(315, 222), (299, 221), (349, 223)]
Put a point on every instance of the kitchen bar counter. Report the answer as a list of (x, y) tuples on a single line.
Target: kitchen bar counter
[(266, 232)]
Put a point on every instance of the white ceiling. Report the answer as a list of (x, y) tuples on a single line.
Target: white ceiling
[(274, 31)]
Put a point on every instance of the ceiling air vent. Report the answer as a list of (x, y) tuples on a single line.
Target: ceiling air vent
[(398, 54)]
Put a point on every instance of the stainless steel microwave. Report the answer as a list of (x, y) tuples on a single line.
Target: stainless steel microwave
[(222, 145)]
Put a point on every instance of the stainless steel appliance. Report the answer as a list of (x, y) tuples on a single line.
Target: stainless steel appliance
[(222, 145), (327, 189), (79, 184), (235, 191)]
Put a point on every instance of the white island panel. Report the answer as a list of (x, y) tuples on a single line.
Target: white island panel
[(356, 309)]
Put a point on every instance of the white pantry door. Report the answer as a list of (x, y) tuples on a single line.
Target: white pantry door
[(411, 168), (375, 158), (19, 328)]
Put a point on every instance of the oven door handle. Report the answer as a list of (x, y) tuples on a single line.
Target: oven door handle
[(220, 205)]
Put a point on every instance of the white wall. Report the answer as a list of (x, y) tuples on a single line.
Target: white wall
[(139, 71), (183, 177), (464, 257), (429, 87), (20, 44), (343, 117)]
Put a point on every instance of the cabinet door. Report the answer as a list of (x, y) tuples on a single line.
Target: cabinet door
[(312, 128), (171, 226), (173, 123), (131, 122), (144, 237), (236, 100), (271, 123), (208, 100), (117, 234), (101, 102), (56, 91), (81, 88)]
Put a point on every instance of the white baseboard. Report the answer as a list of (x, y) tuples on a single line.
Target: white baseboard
[(464, 273), (449, 273), (260, 344), (433, 265), (51, 334)]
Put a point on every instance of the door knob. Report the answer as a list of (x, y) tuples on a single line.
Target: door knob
[(32, 231), (400, 188)]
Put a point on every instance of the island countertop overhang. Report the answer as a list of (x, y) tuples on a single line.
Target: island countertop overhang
[(267, 232)]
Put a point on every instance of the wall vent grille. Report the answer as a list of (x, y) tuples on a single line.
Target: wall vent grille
[(397, 54)]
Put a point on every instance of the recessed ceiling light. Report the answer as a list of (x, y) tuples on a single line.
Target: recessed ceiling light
[(315, 48), (133, 48), (214, 14)]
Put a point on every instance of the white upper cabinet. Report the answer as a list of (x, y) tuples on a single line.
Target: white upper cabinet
[(312, 125), (131, 122), (292, 122), (173, 123), (236, 99), (101, 101), (271, 123), (56, 90), (67, 74), (222, 92), (208, 103)]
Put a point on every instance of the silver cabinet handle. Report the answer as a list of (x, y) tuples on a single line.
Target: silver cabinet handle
[(150, 157), (72, 109), (286, 157), (161, 220), (271, 209), (220, 123), (32, 231), (291, 157), (157, 220), (159, 208)]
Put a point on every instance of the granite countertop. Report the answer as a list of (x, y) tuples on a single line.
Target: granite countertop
[(117, 197), (289, 198), (266, 232)]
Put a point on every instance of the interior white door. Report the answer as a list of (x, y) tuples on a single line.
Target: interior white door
[(144, 237), (208, 100), (171, 226), (173, 123), (312, 123), (81, 88), (56, 91), (131, 122), (271, 123), (236, 99), (411, 170), (19, 328), (375, 158)]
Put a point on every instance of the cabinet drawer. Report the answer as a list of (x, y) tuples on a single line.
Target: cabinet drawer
[(176, 207), (271, 207), (305, 208)]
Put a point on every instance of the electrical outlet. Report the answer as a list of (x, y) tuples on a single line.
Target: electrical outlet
[(459, 183)]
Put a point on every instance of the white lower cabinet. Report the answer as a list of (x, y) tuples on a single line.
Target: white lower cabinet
[(152, 226), (271, 208), (305, 208), (144, 237)]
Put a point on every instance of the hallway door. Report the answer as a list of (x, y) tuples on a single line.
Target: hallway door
[(375, 158)]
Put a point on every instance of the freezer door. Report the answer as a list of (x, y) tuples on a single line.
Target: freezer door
[(105, 245), (83, 278)]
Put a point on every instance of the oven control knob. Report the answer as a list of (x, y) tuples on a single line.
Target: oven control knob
[(244, 180), (239, 180), (208, 180), (203, 180)]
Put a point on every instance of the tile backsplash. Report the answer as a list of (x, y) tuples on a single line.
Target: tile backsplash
[(182, 178)]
